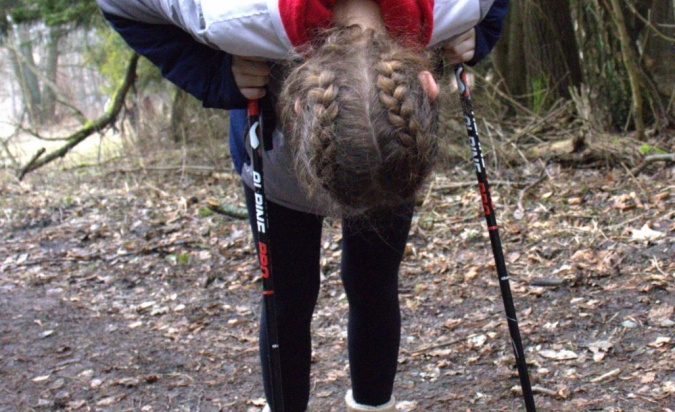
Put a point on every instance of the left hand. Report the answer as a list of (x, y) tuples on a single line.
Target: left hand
[(460, 49)]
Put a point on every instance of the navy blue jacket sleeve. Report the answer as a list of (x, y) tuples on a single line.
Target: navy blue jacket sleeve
[(489, 30), (200, 70)]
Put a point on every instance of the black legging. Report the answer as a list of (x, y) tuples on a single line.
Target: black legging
[(372, 249)]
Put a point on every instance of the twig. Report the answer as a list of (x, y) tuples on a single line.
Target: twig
[(104, 121), (32, 161), (10, 156), (545, 391), (38, 136), (504, 95), (49, 83), (225, 209), (521, 195), (437, 345), (670, 157), (650, 25), (607, 375)]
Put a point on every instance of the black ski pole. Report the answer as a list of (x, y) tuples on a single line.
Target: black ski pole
[(262, 221), (488, 210)]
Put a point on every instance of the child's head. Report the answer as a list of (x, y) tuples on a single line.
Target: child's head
[(361, 119)]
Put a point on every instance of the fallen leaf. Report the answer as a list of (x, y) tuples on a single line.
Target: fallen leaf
[(558, 354), (107, 401), (40, 378), (660, 313), (600, 349), (257, 402), (660, 341), (127, 382), (658, 198), (470, 274), (72, 405), (646, 233), (648, 377), (406, 406), (477, 341)]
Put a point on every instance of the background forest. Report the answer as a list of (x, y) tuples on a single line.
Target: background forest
[(582, 70), (128, 279)]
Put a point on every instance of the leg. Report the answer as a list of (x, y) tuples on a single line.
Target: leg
[(295, 240), (373, 248)]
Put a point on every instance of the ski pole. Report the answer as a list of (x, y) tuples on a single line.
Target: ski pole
[(488, 210), (255, 120)]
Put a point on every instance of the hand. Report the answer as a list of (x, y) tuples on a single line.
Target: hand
[(251, 74), (460, 49)]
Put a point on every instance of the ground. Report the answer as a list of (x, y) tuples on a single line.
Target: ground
[(121, 291)]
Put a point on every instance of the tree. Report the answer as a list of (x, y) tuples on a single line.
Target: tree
[(509, 55), (25, 23), (551, 50), (537, 59), (659, 56)]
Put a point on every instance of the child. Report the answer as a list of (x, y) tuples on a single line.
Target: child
[(360, 119)]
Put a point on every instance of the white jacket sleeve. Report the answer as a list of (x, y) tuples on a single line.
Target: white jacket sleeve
[(454, 17), (239, 27)]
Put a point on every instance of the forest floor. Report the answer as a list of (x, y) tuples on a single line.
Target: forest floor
[(120, 290)]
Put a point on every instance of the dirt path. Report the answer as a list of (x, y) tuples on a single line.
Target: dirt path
[(119, 293)]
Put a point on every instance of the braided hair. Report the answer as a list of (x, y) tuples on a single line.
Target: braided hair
[(358, 120)]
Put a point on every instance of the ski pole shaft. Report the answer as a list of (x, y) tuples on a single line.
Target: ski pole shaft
[(493, 230), (264, 254)]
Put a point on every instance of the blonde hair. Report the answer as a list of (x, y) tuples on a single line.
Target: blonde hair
[(358, 120)]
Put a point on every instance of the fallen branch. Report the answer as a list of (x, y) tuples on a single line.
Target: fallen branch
[(34, 159), (108, 118), (225, 209), (670, 157), (437, 346)]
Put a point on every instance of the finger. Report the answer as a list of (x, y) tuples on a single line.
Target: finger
[(252, 93), (460, 48), (247, 80), (459, 58), (458, 40), (252, 66)]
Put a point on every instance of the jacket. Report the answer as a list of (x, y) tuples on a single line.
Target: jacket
[(192, 43)]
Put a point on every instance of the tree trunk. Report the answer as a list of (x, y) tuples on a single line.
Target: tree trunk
[(509, 55), (660, 51), (51, 70), (178, 111), (28, 81), (631, 63), (551, 50)]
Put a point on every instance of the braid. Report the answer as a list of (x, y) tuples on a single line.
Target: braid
[(394, 96), (322, 98), (358, 121)]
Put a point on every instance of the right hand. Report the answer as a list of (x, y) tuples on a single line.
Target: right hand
[(460, 49), (251, 74)]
